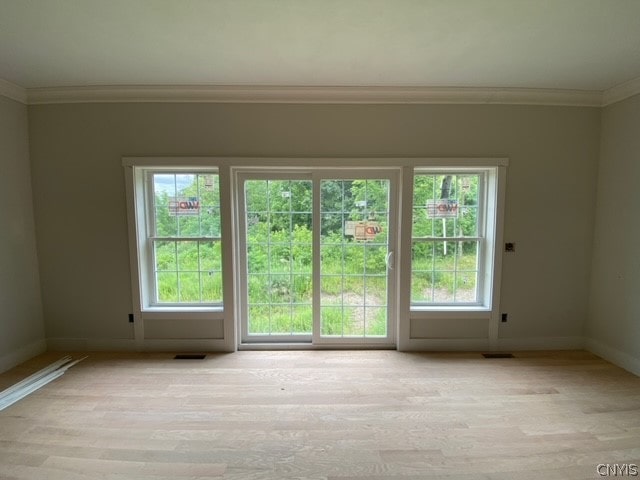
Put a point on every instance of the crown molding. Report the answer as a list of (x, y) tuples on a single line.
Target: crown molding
[(621, 92), (318, 95), (13, 91)]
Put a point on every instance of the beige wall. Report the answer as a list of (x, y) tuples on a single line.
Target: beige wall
[(21, 324), (613, 328), (80, 200)]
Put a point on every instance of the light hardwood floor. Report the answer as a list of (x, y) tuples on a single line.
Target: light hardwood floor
[(323, 415)]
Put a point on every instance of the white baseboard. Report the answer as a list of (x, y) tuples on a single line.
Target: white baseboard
[(130, 345), (16, 357), (180, 345), (91, 345), (541, 343), (502, 344), (613, 355), (445, 345)]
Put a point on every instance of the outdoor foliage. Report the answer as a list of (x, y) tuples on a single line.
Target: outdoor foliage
[(353, 273)]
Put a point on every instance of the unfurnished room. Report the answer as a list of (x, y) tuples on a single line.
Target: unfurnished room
[(319, 239)]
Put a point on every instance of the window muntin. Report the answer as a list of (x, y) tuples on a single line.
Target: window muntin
[(447, 238), (183, 212)]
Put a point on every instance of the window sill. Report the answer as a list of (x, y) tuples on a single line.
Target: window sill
[(173, 308), (471, 312), (178, 313), (450, 308)]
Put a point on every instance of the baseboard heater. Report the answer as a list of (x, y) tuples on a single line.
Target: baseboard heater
[(32, 383)]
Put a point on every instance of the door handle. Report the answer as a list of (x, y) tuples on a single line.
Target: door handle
[(389, 260)]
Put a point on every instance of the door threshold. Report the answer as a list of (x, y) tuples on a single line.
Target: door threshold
[(309, 346)]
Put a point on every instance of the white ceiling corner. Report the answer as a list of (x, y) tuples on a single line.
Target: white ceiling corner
[(12, 91), (620, 92)]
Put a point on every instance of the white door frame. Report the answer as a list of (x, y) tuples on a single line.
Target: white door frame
[(316, 174)]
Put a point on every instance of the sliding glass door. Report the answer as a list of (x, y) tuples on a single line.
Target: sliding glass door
[(317, 256)]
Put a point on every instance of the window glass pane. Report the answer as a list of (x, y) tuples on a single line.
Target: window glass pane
[(279, 256), (167, 287), (466, 291), (280, 288), (258, 319), (444, 269), (258, 291), (302, 289), (165, 256), (375, 259), (444, 256), (258, 258), (332, 226), (353, 254), (210, 256), (188, 225), (468, 257), (211, 284), (376, 290), (422, 287), (443, 287), (166, 223), (444, 272), (331, 323), (302, 319), (256, 197), (332, 258), (353, 292), (281, 321), (331, 289), (186, 205), (375, 321), (189, 287), (188, 254), (353, 248), (353, 320)]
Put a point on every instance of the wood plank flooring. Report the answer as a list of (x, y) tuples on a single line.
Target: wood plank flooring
[(323, 415)]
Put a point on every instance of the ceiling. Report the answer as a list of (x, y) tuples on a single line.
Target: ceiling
[(539, 44)]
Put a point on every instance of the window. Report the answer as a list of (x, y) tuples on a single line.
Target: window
[(448, 238), (183, 241), (354, 251)]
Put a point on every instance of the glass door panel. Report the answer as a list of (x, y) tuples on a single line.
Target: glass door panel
[(278, 239), (354, 254)]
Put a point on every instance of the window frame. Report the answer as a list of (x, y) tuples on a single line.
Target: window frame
[(490, 231), (145, 232), (480, 238), (408, 317)]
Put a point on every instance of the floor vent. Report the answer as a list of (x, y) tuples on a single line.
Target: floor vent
[(498, 355), (190, 356)]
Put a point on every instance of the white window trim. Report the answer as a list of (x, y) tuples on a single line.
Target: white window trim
[(134, 182), (150, 293), (407, 164), (315, 175), (482, 302), (143, 223), (489, 309)]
